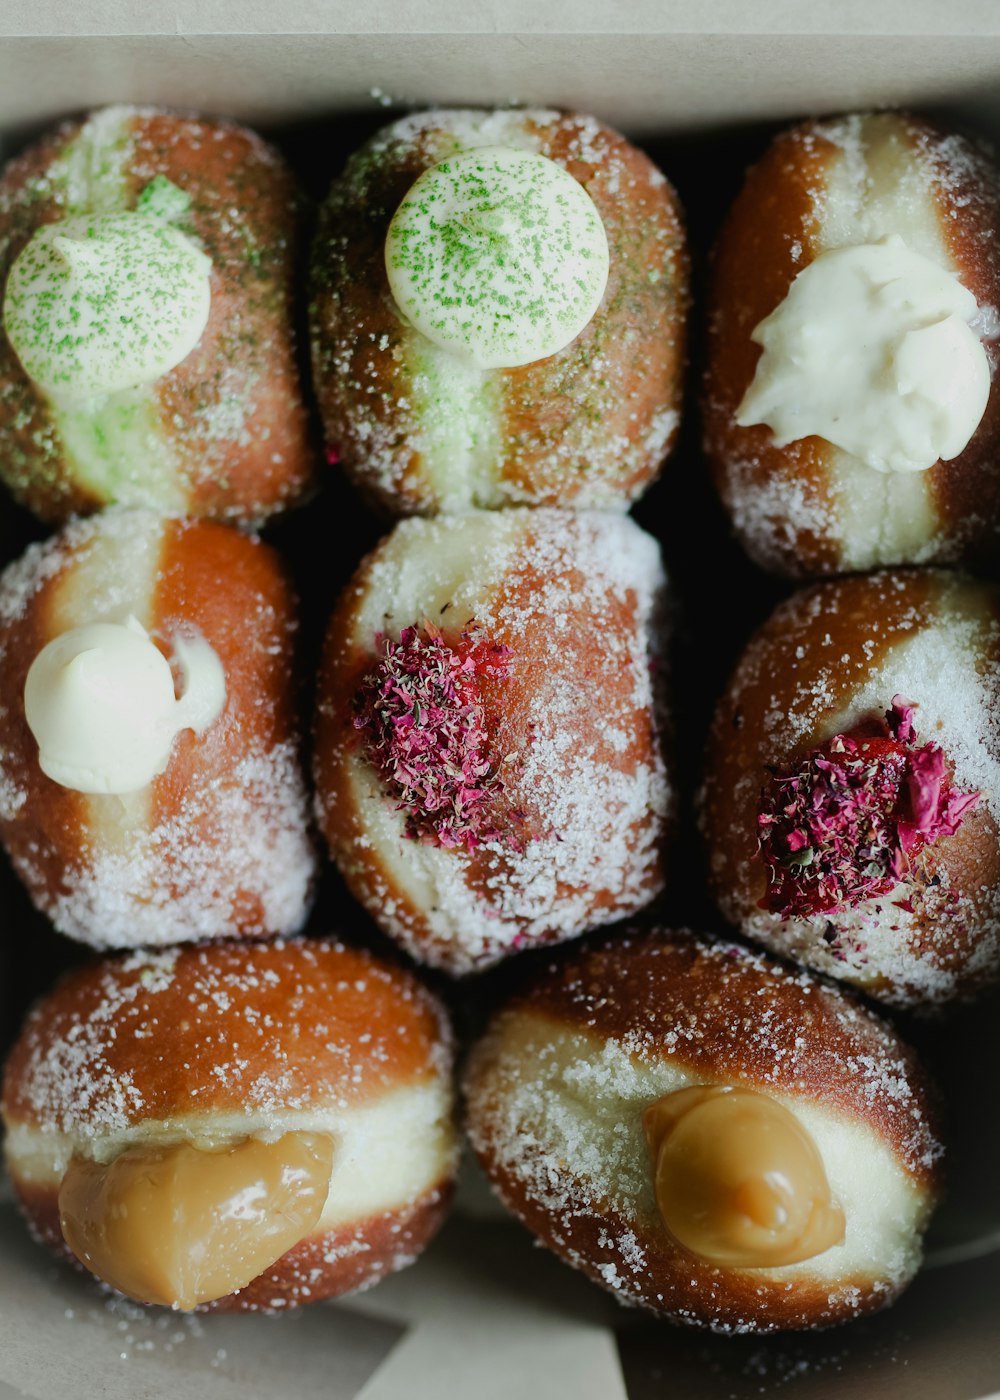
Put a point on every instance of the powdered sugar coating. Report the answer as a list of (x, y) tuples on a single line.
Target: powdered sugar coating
[(810, 508), (424, 431), (572, 726), (211, 1045), (224, 1030), (218, 843), (557, 1089), (829, 660)]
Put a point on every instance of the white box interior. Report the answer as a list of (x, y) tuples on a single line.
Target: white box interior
[(484, 1314)]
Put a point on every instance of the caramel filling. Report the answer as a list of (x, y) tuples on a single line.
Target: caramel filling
[(180, 1225), (738, 1179)]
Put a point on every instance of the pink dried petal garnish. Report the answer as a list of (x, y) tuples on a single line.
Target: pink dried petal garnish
[(900, 719), (420, 712), (844, 824)]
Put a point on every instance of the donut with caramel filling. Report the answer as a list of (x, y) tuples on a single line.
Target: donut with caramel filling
[(150, 783), (148, 358), (852, 782), (488, 757), (708, 1133), (851, 417), (497, 313), (235, 1126)]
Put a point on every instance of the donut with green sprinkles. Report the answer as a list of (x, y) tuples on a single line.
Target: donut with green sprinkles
[(149, 355), (497, 313)]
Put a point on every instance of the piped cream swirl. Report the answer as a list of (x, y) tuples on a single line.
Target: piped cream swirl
[(96, 304), (874, 350)]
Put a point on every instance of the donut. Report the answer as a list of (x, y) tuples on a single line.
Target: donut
[(242, 1127), (147, 357), (150, 782), (713, 1136), (850, 415), (489, 767), (851, 799), (497, 311)]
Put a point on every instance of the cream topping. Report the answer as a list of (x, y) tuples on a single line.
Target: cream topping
[(100, 701), (96, 304), (499, 256), (875, 350)]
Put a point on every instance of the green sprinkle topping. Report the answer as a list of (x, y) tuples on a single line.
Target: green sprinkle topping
[(101, 303), (499, 256)]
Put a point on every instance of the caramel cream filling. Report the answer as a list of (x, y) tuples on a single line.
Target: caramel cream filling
[(738, 1180), (180, 1225)]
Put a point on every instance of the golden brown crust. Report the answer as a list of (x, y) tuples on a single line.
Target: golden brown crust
[(765, 242), (588, 426), (245, 213), (752, 1021), (722, 1015), (223, 1028), (240, 598), (799, 676), (233, 590), (781, 499), (231, 414)]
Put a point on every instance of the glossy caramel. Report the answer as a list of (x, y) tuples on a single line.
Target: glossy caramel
[(182, 1225), (739, 1181)]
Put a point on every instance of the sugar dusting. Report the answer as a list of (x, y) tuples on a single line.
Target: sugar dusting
[(590, 424), (946, 660), (591, 779), (556, 1098), (940, 192), (235, 856), (172, 442), (91, 1068), (190, 877)]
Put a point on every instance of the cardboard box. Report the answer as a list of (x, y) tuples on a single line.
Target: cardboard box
[(484, 1314)]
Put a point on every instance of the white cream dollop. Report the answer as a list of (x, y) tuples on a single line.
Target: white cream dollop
[(498, 255), (101, 303), (873, 349), (100, 702)]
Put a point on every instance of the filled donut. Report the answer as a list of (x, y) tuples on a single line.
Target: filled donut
[(147, 357), (488, 758), (497, 313), (236, 1126), (850, 415), (150, 784), (707, 1133), (851, 799)]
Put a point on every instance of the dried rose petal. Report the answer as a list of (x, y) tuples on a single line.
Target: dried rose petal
[(420, 713), (843, 825)]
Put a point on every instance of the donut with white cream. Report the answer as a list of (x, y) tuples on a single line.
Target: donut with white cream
[(150, 786), (148, 357), (854, 313)]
